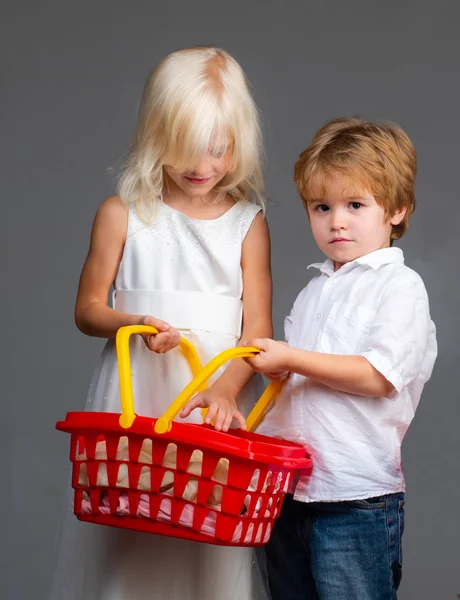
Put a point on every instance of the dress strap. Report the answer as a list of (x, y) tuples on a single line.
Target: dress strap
[(248, 214)]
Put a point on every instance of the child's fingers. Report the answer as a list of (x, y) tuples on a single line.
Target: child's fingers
[(260, 343), (253, 362), (240, 418), (168, 343), (191, 405), (221, 417), (159, 342), (148, 340), (163, 342), (157, 323), (277, 375), (229, 418), (227, 421), (212, 411), (174, 338)]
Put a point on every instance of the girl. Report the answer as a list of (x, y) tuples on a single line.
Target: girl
[(186, 247)]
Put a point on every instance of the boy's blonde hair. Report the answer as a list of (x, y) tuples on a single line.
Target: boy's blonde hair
[(377, 157), (192, 97)]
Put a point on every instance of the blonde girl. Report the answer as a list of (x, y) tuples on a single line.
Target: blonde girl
[(185, 246)]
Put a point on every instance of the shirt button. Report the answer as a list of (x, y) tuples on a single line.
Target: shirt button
[(298, 433), (318, 317)]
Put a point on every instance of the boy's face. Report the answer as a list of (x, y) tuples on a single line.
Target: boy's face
[(346, 221)]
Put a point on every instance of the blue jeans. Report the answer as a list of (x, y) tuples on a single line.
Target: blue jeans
[(337, 550)]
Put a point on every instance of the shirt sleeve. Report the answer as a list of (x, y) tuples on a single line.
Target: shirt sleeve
[(398, 338)]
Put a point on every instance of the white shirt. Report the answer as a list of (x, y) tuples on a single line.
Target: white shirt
[(378, 308)]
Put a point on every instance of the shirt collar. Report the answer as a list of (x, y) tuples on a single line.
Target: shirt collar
[(374, 260)]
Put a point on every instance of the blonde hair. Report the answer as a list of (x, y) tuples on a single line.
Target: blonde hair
[(379, 157), (192, 96)]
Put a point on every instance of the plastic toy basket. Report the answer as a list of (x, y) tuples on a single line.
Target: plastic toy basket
[(247, 473)]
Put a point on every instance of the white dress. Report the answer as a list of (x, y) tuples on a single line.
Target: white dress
[(187, 272)]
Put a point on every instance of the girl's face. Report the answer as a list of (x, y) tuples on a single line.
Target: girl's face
[(210, 170)]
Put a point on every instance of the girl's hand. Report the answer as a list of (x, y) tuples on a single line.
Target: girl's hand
[(164, 341), (221, 405), (273, 359)]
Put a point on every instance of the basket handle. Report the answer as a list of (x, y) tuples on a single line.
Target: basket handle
[(164, 423), (124, 367)]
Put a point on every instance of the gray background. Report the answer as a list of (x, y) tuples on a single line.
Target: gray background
[(72, 76)]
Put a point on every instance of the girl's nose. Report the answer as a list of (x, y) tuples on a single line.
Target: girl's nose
[(202, 169)]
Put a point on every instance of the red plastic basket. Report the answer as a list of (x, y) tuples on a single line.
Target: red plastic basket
[(258, 474)]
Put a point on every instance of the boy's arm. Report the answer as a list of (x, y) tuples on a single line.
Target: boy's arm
[(350, 374), (390, 356)]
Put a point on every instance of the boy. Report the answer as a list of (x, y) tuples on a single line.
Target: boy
[(361, 346)]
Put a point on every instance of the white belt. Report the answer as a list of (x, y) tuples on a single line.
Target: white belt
[(184, 310)]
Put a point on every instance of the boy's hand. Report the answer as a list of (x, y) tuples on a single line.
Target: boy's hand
[(221, 405), (164, 341), (278, 375), (273, 359)]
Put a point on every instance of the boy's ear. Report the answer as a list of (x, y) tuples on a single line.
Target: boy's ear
[(398, 216)]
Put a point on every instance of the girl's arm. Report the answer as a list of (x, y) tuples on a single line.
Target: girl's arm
[(257, 301), (257, 322), (92, 315)]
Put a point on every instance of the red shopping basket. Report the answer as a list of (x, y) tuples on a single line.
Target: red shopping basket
[(248, 473)]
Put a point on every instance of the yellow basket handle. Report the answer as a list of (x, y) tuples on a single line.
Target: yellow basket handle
[(257, 413), (124, 367), (201, 375), (163, 424)]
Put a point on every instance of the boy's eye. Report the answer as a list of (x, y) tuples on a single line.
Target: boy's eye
[(355, 205), (322, 208)]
